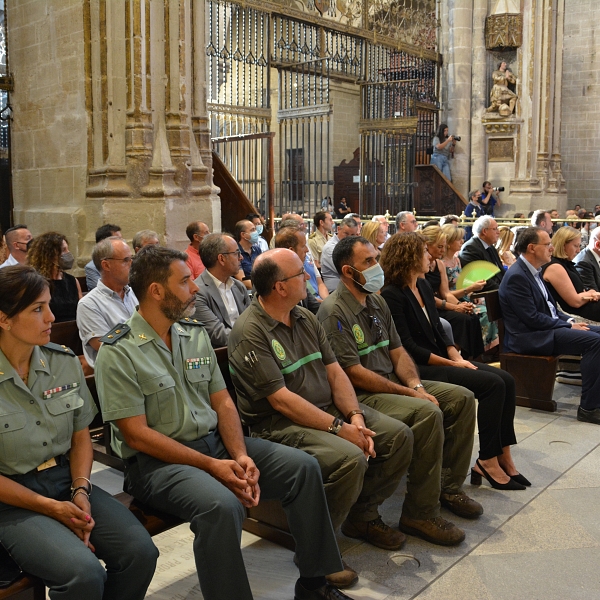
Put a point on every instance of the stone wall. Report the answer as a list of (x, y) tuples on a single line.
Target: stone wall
[(46, 53), (581, 102)]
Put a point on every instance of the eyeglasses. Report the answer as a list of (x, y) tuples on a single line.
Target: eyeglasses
[(126, 261), (303, 272), (376, 325), (232, 252), (548, 244)]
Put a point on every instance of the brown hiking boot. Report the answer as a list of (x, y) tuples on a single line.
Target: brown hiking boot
[(460, 504), (436, 530), (343, 579), (375, 532)]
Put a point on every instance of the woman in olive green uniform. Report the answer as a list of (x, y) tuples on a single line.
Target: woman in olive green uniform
[(52, 523)]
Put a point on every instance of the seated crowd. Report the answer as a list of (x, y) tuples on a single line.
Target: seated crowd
[(355, 361)]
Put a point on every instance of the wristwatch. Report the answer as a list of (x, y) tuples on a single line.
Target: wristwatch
[(354, 412), (335, 426), (419, 385)]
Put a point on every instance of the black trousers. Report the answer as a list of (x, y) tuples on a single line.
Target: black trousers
[(495, 392)]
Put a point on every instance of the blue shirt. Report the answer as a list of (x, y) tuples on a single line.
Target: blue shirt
[(248, 259), (309, 267)]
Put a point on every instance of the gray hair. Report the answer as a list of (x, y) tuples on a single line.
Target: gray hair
[(213, 245), (473, 193), (376, 218), (289, 222), (481, 224), (104, 249), (141, 236), (402, 216), (348, 222)]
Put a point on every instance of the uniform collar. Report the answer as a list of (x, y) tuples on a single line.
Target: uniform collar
[(144, 333), (346, 296), (271, 323), (38, 362)]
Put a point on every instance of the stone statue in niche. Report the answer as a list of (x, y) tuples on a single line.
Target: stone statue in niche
[(502, 98)]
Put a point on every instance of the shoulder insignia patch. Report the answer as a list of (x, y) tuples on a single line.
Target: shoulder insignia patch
[(115, 334), (58, 348), (190, 321)]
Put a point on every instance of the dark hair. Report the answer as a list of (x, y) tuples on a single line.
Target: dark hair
[(539, 215), (526, 236), (21, 286), (192, 229), (440, 132), (239, 229), (432, 223), (320, 216), (344, 251), (401, 255), (210, 248), (485, 183), (152, 264), (286, 238), (251, 216), (9, 233), (106, 231), (265, 274)]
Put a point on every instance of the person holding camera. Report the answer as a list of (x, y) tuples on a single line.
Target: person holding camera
[(473, 210), (488, 199), (443, 148)]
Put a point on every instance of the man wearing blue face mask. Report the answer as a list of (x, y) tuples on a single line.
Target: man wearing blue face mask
[(259, 223), (247, 238), (361, 332)]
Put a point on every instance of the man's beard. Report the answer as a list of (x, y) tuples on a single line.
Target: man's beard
[(357, 285), (175, 309)]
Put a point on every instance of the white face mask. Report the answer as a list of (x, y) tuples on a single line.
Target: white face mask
[(374, 278)]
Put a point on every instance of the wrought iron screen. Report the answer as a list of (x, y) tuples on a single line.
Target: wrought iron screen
[(5, 118), (304, 137), (247, 40)]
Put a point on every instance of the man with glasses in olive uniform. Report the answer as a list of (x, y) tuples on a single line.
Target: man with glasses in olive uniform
[(292, 390), (361, 331)]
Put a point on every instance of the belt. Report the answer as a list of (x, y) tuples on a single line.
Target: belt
[(56, 461)]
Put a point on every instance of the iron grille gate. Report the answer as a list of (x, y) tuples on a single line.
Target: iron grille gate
[(304, 137), (245, 42), (388, 134)]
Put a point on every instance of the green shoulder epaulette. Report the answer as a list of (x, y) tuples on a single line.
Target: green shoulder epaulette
[(115, 334), (190, 321), (59, 348)]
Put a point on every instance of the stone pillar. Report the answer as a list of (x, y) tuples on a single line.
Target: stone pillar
[(110, 120), (538, 181), (456, 47)]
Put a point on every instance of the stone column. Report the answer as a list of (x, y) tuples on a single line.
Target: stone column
[(456, 47), (538, 182)]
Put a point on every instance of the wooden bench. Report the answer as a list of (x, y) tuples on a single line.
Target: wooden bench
[(534, 375)]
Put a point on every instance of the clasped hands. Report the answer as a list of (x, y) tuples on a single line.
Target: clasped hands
[(359, 434), (240, 477)]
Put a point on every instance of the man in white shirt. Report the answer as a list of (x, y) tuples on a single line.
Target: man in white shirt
[(331, 277), (16, 241), (259, 223), (220, 298), (112, 301), (405, 221)]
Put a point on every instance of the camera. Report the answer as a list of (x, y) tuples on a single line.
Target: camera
[(456, 138), (498, 189)]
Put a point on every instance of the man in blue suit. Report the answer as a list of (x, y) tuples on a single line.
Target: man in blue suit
[(534, 325)]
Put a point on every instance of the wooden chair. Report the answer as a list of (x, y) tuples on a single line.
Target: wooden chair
[(67, 334), (534, 375)]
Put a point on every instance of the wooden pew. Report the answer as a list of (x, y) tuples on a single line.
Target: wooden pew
[(534, 375)]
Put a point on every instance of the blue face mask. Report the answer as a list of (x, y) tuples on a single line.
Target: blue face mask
[(259, 229), (374, 279), (254, 237)]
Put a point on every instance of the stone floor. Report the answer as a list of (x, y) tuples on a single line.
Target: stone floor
[(542, 543)]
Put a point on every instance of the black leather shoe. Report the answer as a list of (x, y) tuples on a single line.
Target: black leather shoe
[(326, 591), (589, 416)]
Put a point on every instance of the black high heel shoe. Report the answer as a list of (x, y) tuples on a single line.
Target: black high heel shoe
[(520, 479), (509, 485)]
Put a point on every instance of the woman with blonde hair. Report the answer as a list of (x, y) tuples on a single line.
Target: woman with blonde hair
[(375, 232), (465, 324), (564, 281), (49, 255), (504, 244), (454, 241)]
